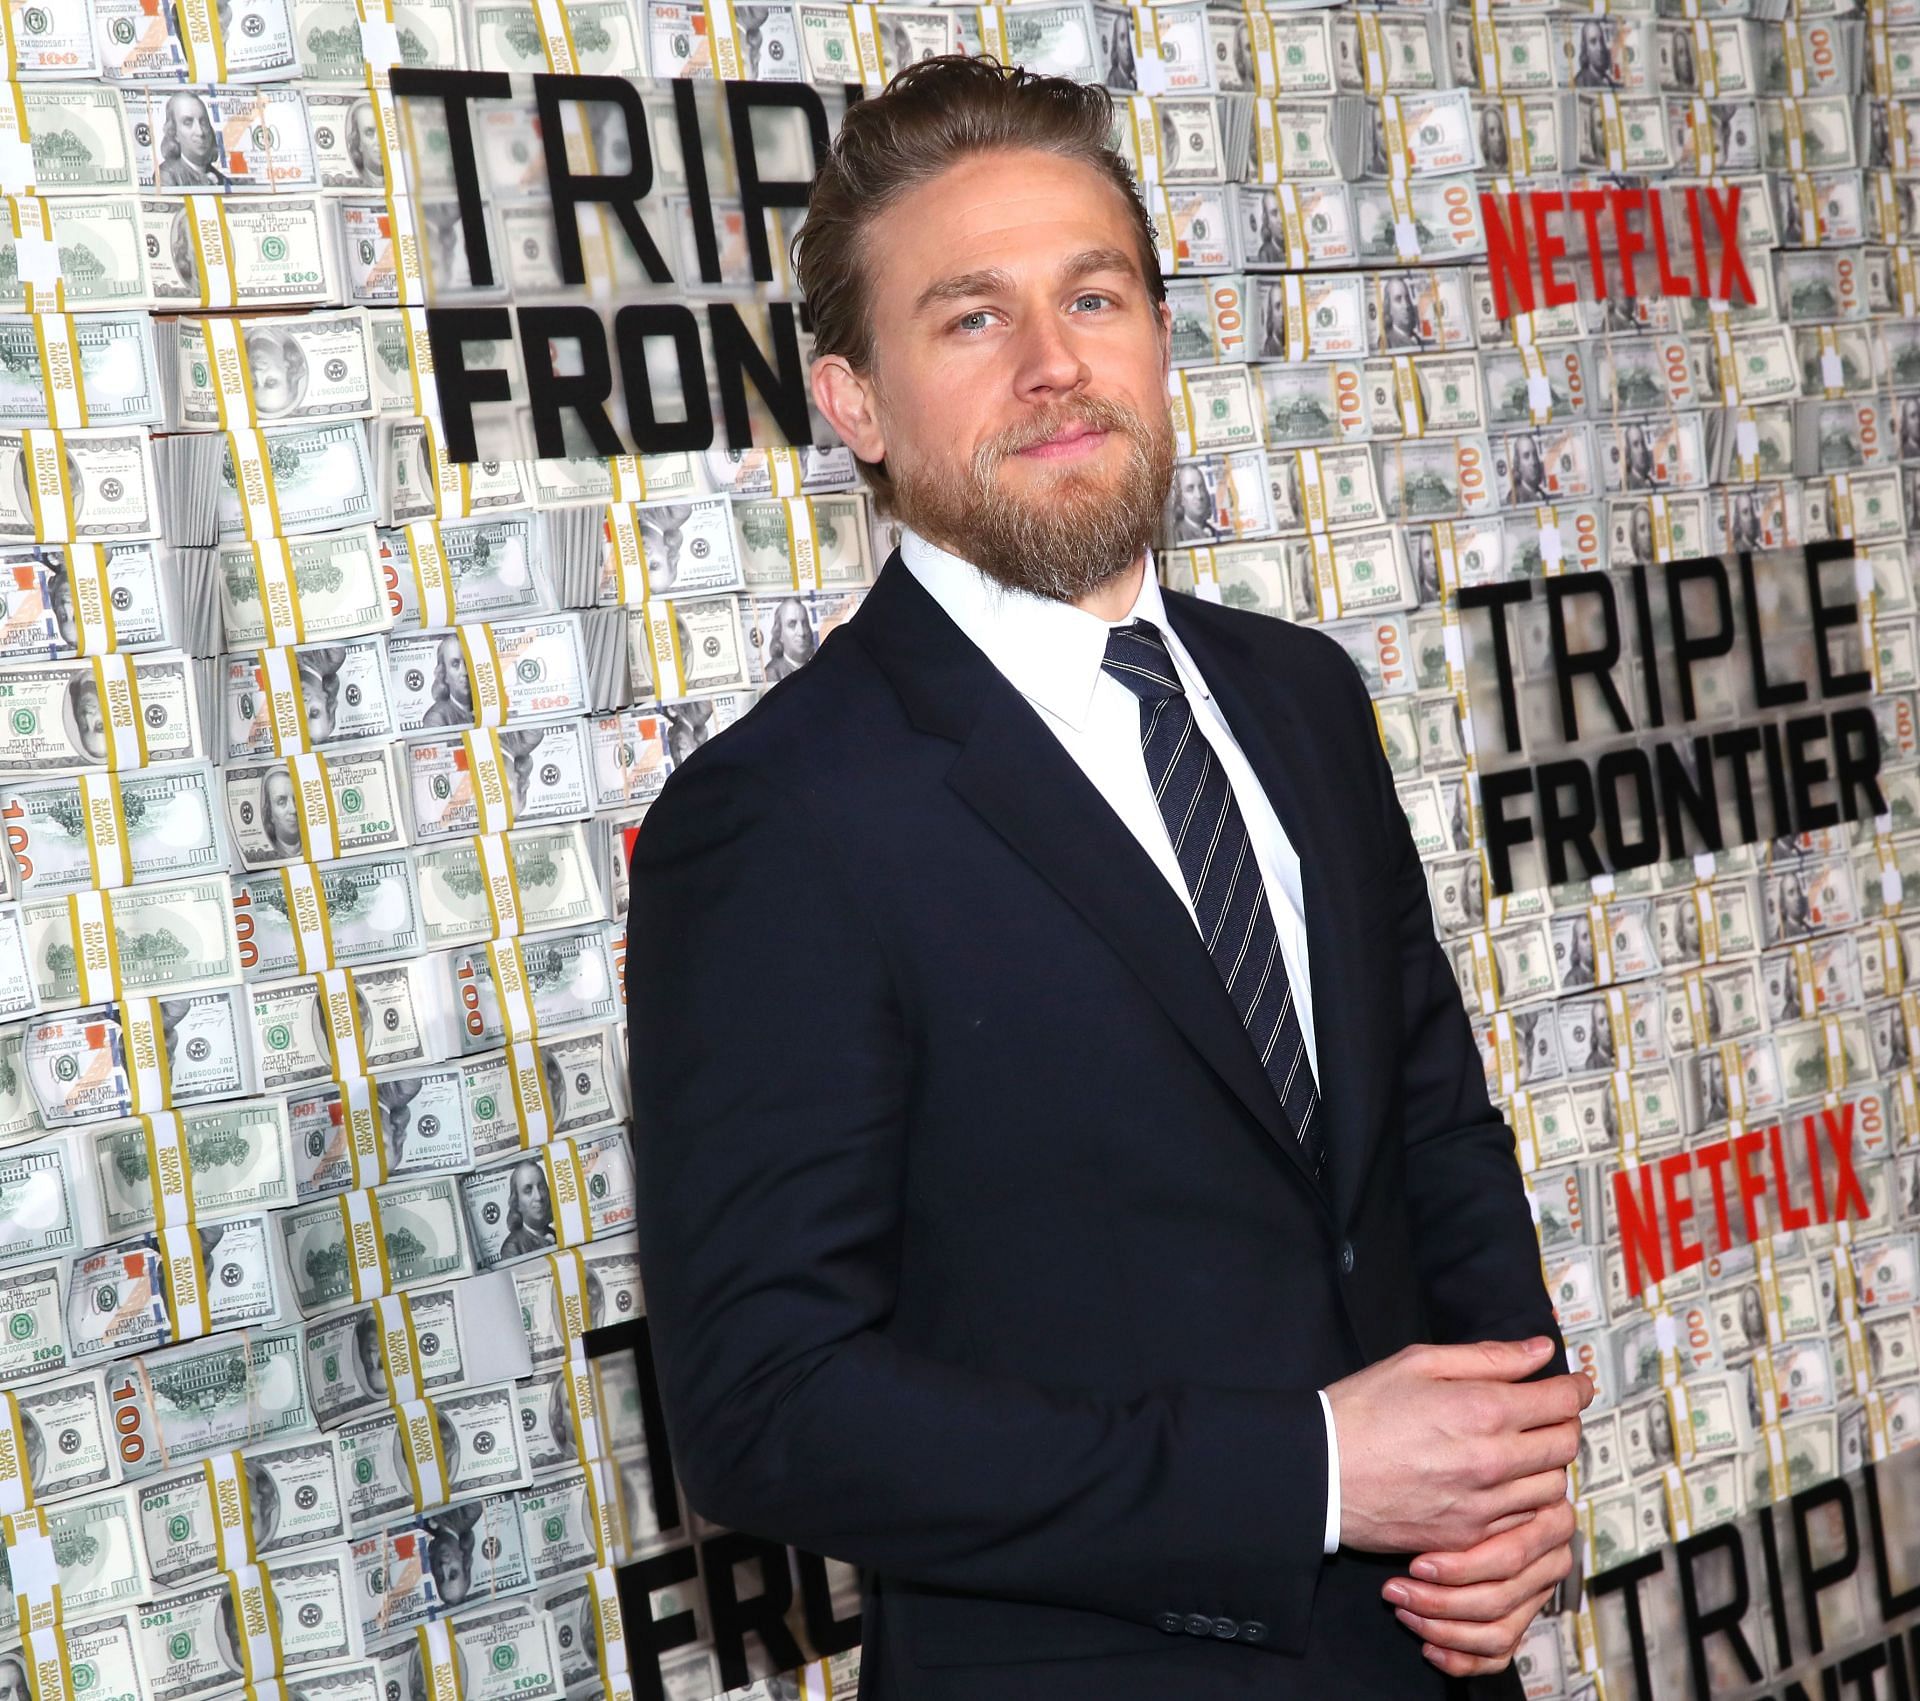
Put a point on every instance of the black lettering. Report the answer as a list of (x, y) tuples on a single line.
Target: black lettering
[(633, 328), (1893, 1603), (1503, 834), (1632, 766), (693, 155), (1723, 1620), (1738, 744), (1776, 1589), (1829, 615), (1599, 663), (1814, 1578), (622, 191), (1626, 1580), (1858, 1669), (551, 395), (1856, 762), (1497, 597), (1783, 826), (1688, 798), (1572, 826), (448, 330), (736, 356), (454, 89), (1809, 771), (1649, 651), (1766, 694), (1690, 647), (758, 194), (763, 1615), (655, 1636), (827, 1634)]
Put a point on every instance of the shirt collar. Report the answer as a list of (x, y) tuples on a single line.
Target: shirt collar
[(1050, 651)]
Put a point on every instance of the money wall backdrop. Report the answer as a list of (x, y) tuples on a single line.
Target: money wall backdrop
[(321, 753)]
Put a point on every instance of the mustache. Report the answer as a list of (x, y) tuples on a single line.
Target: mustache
[(1096, 413)]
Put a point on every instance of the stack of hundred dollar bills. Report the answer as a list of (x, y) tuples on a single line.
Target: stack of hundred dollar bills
[(321, 754)]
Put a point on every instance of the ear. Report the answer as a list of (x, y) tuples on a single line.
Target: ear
[(849, 404), (1165, 312)]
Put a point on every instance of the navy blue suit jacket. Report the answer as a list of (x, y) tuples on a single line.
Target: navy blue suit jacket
[(976, 1248)]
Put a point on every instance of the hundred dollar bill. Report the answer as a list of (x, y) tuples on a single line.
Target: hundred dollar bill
[(60, 600), (337, 692), (584, 1610), (541, 771), (354, 806), (419, 1124), (415, 1457), (561, 1194), (427, 1341), (344, 914), (443, 572), (67, 1440), (505, 1651), (1437, 479), (1445, 224), (428, 1567), (48, 41), (252, 42), (375, 1241), (34, 1343), (306, 588), (834, 50), (237, 1508), (68, 486), (527, 881), (341, 1025), (221, 139), (69, 835), (118, 378), (105, 1649), (260, 251), (144, 941), (99, 258), (77, 133), (601, 1287), (580, 1086), (315, 367), (562, 1526), (679, 648), (1434, 395), (546, 1421), (58, 717), (98, 1554), (129, 1298), (251, 1624), (511, 669), (208, 1396), (139, 1055), (321, 476), (668, 548), (505, 35), (331, 49), (233, 1158), (558, 980)]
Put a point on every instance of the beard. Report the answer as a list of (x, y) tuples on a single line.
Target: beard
[(1080, 529)]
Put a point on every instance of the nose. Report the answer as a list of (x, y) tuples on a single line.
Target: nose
[(1050, 361)]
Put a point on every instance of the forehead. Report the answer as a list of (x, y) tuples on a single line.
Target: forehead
[(1022, 210)]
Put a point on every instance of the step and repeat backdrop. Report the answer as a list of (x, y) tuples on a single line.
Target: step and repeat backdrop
[(411, 463)]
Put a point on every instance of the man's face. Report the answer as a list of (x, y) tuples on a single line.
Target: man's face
[(1195, 504), (281, 812), (192, 128), (92, 723), (1008, 310), (449, 1562), (272, 382), (530, 1194)]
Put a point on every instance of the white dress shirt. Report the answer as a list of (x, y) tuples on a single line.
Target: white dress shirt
[(1051, 652)]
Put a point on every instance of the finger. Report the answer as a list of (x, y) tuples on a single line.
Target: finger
[(1481, 1602), (1489, 1641), (1462, 1665), (1531, 1451), (1500, 1555), (1552, 1400), (1498, 1361), (1526, 1494)]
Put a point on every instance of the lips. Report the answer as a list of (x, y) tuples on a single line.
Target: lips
[(1068, 435)]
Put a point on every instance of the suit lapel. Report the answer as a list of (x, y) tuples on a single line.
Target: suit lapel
[(1280, 747), (1019, 779)]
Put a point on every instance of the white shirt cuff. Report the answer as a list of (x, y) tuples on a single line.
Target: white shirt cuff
[(1331, 1542)]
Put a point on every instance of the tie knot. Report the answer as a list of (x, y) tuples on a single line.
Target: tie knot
[(1137, 656)]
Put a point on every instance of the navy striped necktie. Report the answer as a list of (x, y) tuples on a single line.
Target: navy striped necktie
[(1216, 859)]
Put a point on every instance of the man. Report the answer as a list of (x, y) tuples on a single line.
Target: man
[(190, 146), (1019, 1249)]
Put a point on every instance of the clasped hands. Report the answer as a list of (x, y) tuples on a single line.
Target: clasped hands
[(1447, 1454)]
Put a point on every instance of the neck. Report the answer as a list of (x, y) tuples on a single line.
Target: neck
[(1112, 599)]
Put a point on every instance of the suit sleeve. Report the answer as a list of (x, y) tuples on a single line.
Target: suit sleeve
[(1475, 1245), (773, 1069)]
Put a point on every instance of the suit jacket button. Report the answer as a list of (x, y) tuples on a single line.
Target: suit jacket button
[(1226, 1629), (1252, 1631), (1198, 1624), (1346, 1256), (1170, 1623)]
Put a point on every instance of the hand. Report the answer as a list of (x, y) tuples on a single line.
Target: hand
[(1474, 1607), (1443, 1447)]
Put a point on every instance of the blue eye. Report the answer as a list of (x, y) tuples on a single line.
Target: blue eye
[(977, 313)]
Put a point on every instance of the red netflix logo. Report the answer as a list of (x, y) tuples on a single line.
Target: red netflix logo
[(1527, 244)]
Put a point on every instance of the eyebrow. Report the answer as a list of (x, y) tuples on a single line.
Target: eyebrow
[(992, 280)]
